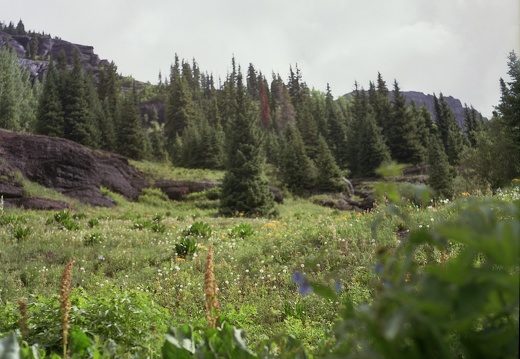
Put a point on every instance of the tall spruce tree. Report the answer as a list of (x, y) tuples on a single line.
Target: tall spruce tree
[(245, 188), (329, 174), (403, 138), (298, 170), (77, 119), (439, 169), (449, 131), (473, 122), (131, 141), (50, 113), (509, 106), (17, 110), (337, 131), (367, 148)]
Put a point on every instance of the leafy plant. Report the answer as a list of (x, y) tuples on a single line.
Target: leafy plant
[(93, 222), (21, 232), (186, 247), (242, 230), (198, 229), (222, 342), (92, 238), (464, 306)]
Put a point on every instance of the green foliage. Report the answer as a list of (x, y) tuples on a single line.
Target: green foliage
[(198, 229), (21, 232), (17, 101), (242, 230), (92, 238), (465, 306), (439, 170), (298, 170), (186, 247), (222, 342), (130, 135), (154, 197), (66, 219), (153, 225)]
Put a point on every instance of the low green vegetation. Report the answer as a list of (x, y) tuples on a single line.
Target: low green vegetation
[(413, 278)]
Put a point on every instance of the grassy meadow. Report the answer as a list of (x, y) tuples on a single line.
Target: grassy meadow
[(139, 267)]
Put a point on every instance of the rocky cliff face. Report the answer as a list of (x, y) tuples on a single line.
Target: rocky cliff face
[(421, 99), (49, 48), (65, 166)]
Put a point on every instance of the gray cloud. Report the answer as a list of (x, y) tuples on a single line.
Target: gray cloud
[(458, 47)]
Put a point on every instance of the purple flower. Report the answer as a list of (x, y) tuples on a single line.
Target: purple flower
[(379, 268), (298, 278), (305, 288)]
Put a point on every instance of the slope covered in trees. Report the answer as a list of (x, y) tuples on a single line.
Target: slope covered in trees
[(308, 138)]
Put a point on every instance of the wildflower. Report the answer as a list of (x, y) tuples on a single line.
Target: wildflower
[(304, 288), (407, 277), (337, 286), (179, 259), (379, 268)]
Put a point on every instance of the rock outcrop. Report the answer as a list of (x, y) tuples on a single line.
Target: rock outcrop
[(49, 48), (65, 166)]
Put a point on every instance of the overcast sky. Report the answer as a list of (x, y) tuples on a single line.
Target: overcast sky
[(457, 47)]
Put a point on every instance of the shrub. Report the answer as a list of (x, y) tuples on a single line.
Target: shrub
[(198, 229)]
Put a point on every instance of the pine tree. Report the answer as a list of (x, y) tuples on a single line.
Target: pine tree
[(367, 148), (378, 97), (130, 132), (473, 122), (17, 108), (337, 131), (156, 137), (329, 174), (50, 114), (509, 107), (245, 188), (20, 28), (284, 113), (108, 93), (298, 170), (449, 131), (439, 170), (77, 119), (402, 135)]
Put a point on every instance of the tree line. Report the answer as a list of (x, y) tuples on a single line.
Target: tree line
[(247, 124)]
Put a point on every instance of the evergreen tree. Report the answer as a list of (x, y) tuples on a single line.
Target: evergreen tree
[(77, 119), (298, 171), (20, 28), (17, 103), (284, 113), (156, 137), (449, 131), (50, 114), (380, 101), (180, 110), (329, 174), (473, 122), (367, 148), (509, 107), (439, 170), (108, 93), (424, 127), (402, 135), (244, 187), (337, 131), (496, 158), (131, 141)]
